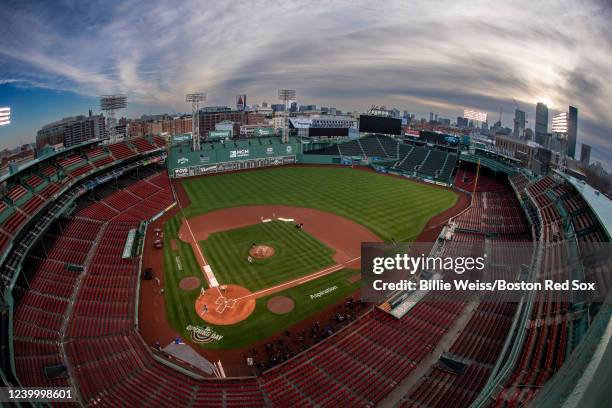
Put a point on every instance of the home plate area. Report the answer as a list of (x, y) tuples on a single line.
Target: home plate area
[(224, 303), (220, 305)]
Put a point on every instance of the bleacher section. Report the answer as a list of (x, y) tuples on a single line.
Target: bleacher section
[(372, 146), (414, 159)]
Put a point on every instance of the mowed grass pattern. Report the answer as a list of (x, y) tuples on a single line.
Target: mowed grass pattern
[(180, 304), (263, 323), (390, 207), (297, 253)]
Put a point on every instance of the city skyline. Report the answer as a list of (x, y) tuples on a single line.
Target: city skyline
[(344, 54)]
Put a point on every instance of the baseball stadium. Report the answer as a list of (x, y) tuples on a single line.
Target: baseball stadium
[(160, 272)]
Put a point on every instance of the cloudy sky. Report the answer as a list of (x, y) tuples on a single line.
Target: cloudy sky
[(420, 56)]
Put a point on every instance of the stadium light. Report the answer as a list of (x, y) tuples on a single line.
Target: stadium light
[(474, 115), (286, 95), (195, 99), (109, 104), (559, 123), (5, 115)]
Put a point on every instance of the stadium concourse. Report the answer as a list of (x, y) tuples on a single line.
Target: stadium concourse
[(71, 228)]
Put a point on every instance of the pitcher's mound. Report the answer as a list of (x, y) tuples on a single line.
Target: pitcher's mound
[(261, 251), (280, 304), (189, 283)]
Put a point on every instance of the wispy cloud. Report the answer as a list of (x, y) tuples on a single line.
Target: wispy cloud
[(416, 55)]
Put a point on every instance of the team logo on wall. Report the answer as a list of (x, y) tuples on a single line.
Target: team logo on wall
[(288, 149), (203, 334), (182, 160)]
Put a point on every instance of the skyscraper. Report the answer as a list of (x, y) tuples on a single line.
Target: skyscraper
[(541, 123), (585, 154), (572, 128), (519, 123)]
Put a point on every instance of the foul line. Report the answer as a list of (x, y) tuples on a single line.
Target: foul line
[(194, 242), (298, 281)]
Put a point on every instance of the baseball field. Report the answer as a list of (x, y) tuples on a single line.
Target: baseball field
[(243, 227)]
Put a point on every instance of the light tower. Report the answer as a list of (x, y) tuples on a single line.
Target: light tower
[(195, 99), (286, 95), (109, 104), (5, 115)]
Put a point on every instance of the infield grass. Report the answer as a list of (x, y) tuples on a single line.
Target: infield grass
[(297, 253), (388, 206)]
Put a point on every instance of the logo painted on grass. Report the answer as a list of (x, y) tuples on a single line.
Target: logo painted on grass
[(323, 292), (203, 334)]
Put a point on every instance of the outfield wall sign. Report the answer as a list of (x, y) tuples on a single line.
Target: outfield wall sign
[(239, 153), (264, 131), (201, 169), (219, 134), (203, 334)]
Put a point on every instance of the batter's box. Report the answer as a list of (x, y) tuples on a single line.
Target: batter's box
[(230, 303), (221, 308), (220, 300)]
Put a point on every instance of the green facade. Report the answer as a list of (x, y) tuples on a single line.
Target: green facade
[(231, 155)]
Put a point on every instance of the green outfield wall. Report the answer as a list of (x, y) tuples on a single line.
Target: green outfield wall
[(231, 155)]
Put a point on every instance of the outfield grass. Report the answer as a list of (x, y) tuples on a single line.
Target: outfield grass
[(388, 206), (297, 254)]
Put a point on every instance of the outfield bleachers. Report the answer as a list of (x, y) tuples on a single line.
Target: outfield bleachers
[(414, 160)]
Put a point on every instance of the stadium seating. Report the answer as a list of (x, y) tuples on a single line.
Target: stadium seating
[(96, 153), (159, 141), (414, 159), (17, 194), (71, 162), (35, 182), (103, 161), (372, 146), (79, 171), (142, 145), (14, 222), (357, 366), (50, 172), (121, 151), (33, 204)]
